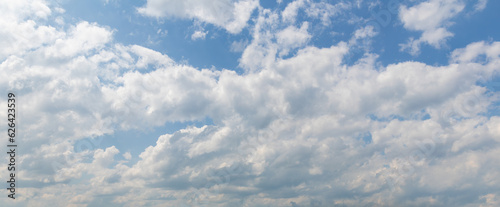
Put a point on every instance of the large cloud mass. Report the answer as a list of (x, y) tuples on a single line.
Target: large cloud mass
[(301, 127)]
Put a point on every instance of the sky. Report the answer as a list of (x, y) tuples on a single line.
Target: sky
[(288, 103)]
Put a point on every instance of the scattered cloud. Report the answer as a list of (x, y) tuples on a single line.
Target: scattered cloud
[(301, 128), (432, 18), (198, 34), (317, 10), (480, 5), (231, 15)]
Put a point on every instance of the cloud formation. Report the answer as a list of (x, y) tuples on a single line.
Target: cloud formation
[(431, 18), (300, 127), (231, 15)]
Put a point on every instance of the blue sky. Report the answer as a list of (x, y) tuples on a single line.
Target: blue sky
[(133, 28), (254, 103)]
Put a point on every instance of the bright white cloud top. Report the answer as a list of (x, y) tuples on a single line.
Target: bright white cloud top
[(302, 103)]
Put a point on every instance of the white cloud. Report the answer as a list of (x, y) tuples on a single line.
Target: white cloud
[(432, 18), (480, 5), (322, 10), (475, 50), (198, 34), (262, 50), (325, 11), (364, 35), (261, 150), (261, 146), (364, 32), (430, 14), (20, 32), (80, 39), (104, 158), (289, 131), (148, 57), (229, 14), (290, 12), (292, 37)]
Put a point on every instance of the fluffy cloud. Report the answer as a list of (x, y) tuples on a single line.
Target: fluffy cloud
[(292, 37), (266, 156), (431, 18), (21, 33), (303, 130), (474, 51), (228, 14), (198, 34), (291, 10), (317, 10)]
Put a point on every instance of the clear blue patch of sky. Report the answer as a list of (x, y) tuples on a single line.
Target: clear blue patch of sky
[(385, 119), (366, 138), (478, 26)]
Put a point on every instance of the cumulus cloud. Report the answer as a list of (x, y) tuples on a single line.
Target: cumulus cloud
[(254, 150), (21, 33), (307, 129), (231, 15), (431, 18), (473, 51), (292, 37), (81, 38)]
